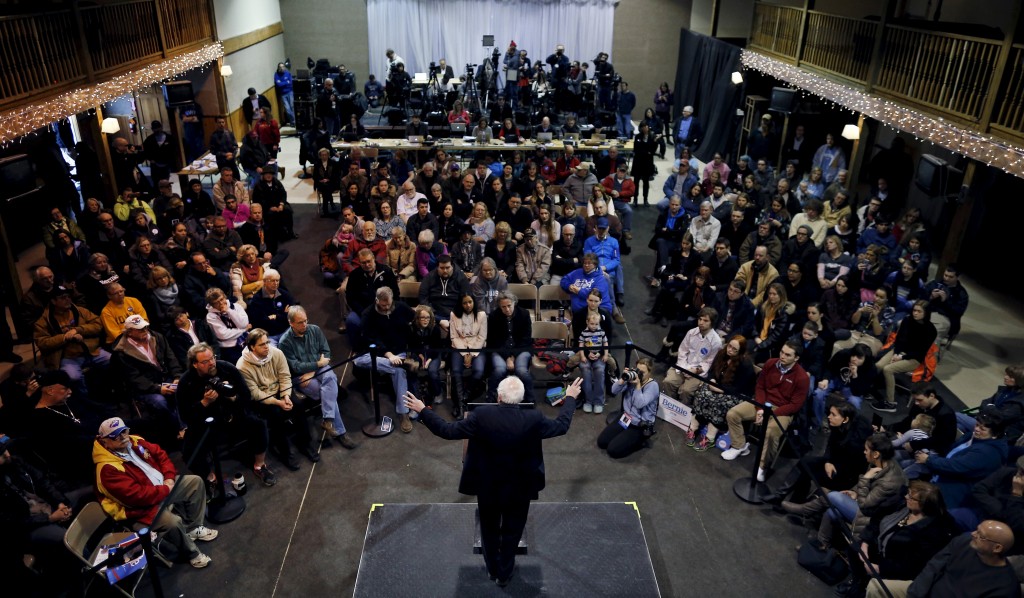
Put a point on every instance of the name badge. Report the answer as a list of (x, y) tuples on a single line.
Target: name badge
[(625, 420)]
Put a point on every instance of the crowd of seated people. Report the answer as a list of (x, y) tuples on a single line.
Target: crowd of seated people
[(773, 288)]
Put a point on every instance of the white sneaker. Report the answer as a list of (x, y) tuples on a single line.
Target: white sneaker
[(760, 474), (588, 408), (202, 533), (598, 408), (200, 561), (731, 453)]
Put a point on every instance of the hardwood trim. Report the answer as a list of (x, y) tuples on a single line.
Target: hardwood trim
[(240, 42)]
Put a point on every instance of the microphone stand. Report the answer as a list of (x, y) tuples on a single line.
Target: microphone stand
[(225, 507), (376, 428), (748, 489)]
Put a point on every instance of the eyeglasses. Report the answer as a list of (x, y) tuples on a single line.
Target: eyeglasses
[(207, 361), (978, 535)]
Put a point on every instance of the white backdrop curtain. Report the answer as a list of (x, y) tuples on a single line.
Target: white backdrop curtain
[(422, 31)]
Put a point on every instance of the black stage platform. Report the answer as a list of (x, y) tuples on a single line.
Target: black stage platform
[(574, 549)]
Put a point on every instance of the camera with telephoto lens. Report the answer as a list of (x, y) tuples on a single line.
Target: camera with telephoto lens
[(630, 375), (222, 387), (434, 69)]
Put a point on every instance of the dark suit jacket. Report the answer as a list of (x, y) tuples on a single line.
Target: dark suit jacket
[(504, 458), (251, 236), (247, 109)]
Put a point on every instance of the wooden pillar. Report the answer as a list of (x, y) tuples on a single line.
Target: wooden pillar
[(808, 6), (961, 218), (857, 154), (875, 64), (1000, 69), (104, 153), (82, 43)]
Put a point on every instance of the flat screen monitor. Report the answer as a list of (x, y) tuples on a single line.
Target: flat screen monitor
[(784, 100), (930, 171), (178, 93)]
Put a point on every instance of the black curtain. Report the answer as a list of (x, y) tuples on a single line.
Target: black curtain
[(704, 81)]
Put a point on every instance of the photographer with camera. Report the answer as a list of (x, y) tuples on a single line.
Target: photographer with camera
[(604, 74), (215, 388), (512, 65), (640, 393)]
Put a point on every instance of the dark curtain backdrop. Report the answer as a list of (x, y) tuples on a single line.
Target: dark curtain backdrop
[(704, 81)]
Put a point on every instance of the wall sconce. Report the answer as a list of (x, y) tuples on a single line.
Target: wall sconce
[(225, 71), (737, 78), (110, 126), (851, 132)]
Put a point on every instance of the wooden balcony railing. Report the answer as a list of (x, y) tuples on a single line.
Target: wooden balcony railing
[(37, 53), (776, 29), (1009, 112), (185, 22), (839, 45), (121, 33), (45, 52), (951, 73), (943, 73)]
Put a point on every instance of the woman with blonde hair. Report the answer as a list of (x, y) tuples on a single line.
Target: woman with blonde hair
[(246, 273), (401, 254), (483, 225)]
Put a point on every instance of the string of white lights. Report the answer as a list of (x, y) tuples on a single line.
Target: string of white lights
[(27, 119), (995, 152)]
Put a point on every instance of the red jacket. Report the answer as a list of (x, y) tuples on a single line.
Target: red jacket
[(126, 493), (378, 246), (786, 392), (628, 188)]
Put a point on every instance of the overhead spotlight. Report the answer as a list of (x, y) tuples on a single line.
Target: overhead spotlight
[(310, 63)]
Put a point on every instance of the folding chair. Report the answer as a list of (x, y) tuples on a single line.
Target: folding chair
[(409, 291), (545, 296), (554, 331), (527, 295), (90, 530)]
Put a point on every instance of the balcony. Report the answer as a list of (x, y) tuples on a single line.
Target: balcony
[(46, 53), (974, 81)]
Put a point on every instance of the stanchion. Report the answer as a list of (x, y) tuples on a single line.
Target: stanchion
[(375, 427), (615, 415), (224, 507), (147, 548), (746, 489)]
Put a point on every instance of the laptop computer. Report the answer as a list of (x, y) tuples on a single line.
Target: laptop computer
[(573, 137), (416, 138), (511, 138), (598, 137), (350, 137), (545, 137), (458, 128)]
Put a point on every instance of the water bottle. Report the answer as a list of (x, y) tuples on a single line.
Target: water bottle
[(561, 313), (238, 483)]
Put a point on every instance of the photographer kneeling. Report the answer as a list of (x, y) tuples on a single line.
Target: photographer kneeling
[(639, 405)]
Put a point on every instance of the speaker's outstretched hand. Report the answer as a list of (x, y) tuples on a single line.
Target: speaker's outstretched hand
[(574, 388), (412, 402)]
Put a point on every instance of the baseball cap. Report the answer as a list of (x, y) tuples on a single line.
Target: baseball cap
[(602, 222), (529, 233), (135, 322), (112, 427), (59, 291)]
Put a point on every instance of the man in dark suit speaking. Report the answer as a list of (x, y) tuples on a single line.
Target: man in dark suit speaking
[(504, 464)]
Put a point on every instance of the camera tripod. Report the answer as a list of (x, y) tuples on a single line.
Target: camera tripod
[(470, 94), (395, 97)]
